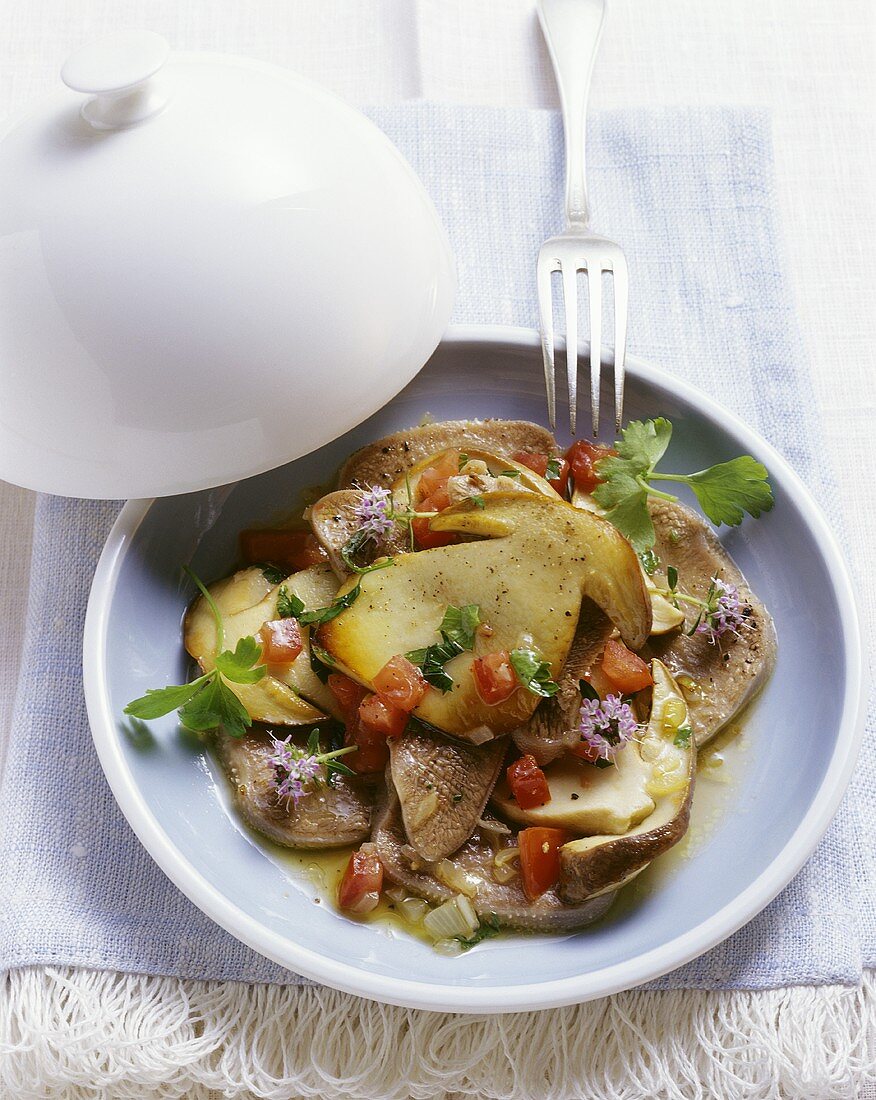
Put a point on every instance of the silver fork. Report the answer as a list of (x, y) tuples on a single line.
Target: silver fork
[(572, 29)]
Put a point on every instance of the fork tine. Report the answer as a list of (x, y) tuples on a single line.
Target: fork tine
[(570, 306), (621, 301), (545, 305), (594, 286)]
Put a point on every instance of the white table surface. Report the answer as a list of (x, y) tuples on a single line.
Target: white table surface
[(810, 62)]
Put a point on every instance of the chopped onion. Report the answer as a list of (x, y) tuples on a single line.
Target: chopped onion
[(426, 808), (448, 947), (396, 894), (454, 918), (456, 878), (366, 904), (413, 909), (493, 827), (480, 735), (503, 864)]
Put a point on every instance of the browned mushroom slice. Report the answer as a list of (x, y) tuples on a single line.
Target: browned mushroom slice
[(597, 863), (471, 871), (442, 788), (384, 461), (717, 680), (334, 521), (325, 817), (553, 728)]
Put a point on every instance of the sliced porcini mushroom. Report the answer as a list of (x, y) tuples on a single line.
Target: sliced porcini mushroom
[(533, 563), (471, 870), (586, 799), (442, 788), (334, 519), (324, 817), (596, 863), (479, 472), (719, 679), (287, 695), (553, 728), (386, 460)]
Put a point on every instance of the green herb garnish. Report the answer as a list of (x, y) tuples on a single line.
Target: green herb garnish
[(488, 927), (354, 544), (533, 673), (457, 631), (208, 702), (460, 623), (272, 574), (650, 562), (725, 491), (682, 737), (554, 468)]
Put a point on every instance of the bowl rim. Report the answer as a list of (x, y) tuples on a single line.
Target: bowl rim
[(494, 998)]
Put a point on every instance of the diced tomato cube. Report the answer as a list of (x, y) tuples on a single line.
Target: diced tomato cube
[(373, 751), (540, 859), (442, 467), (400, 683), (495, 679), (281, 641), (539, 463), (424, 536), (359, 889), (582, 457), (381, 719), (348, 693), (290, 550), (626, 670), (528, 783)]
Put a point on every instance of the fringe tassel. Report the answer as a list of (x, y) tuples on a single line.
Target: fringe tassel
[(73, 1034)]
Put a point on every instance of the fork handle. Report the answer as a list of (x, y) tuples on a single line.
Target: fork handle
[(572, 29)]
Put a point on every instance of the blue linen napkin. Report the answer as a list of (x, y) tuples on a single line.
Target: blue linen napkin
[(689, 194)]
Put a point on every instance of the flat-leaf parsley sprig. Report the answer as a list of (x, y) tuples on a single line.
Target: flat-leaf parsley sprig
[(208, 702), (725, 491), (297, 769)]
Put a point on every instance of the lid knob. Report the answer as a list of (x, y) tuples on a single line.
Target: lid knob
[(120, 73)]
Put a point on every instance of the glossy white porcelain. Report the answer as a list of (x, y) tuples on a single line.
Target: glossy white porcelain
[(208, 266)]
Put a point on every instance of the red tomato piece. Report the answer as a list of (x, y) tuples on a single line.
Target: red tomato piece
[(400, 683), (528, 783), (442, 467), (582, 457), (381, 719), (495, 679), (373, 751), (291, 550), (281, 641), (348, 693), (539, 859), (424, 536), (359, 889), (626, 670), (539, 464)]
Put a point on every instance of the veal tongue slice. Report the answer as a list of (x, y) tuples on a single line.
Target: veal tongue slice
[(384, 461), (442, 788), (717, 679), (469, 870), (533, 562)]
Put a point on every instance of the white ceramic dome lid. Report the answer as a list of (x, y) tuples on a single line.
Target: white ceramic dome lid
[(208, 267)]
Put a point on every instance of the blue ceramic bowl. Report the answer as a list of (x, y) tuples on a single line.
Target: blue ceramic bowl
[(731, 871)]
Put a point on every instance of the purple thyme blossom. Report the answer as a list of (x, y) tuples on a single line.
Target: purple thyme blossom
[(374, 512), (723, 612), (607, 725), (293, 769)]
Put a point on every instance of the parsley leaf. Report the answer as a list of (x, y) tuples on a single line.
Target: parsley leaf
[(459, 624), (289, 606), (326, 614), (431, 662), (321, 662), (272, 574), (650, 562), (554, 468), (682, 737), (216, 705), (477, 500), (159, 701), (725, 491), (533, 673), (353, 546), (238, 666), (509, 473)]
